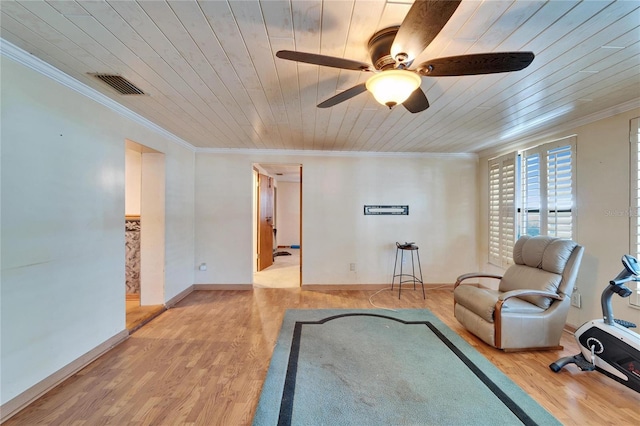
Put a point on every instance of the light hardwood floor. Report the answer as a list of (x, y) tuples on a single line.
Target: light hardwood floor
[(204, 361)]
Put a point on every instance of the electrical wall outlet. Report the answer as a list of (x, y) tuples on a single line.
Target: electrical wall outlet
[(352, 267), (575, 300)]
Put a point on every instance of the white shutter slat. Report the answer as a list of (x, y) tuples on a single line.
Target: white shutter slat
[(531, 201), (494, 212), (502, 195), (560, 191)]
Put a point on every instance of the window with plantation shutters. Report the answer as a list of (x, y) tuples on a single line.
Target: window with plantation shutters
[(634, 201), (548, 188), (560, 192), (502, 213), (531, 193)]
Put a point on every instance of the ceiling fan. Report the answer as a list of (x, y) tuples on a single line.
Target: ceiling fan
[(392, 50)]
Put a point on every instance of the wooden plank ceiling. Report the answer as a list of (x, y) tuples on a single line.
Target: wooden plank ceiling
[(211, 77)]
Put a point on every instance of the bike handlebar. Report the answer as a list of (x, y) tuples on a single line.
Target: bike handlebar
[(624, 280)]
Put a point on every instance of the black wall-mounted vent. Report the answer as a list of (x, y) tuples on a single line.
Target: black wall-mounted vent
[(120, 84)]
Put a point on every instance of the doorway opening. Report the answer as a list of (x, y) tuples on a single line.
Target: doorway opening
[(144, 234), (277, 235)]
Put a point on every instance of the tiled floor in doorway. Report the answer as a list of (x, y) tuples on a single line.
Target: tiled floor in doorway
[(284, 273)]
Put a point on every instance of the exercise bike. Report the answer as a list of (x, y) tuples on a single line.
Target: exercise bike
[(608, 345)]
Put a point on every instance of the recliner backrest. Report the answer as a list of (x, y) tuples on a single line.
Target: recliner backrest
[(540, 264)]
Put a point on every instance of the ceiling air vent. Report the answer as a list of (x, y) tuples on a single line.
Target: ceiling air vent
[(120, 84)]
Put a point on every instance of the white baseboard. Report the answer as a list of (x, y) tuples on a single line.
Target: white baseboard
[(13, 406)]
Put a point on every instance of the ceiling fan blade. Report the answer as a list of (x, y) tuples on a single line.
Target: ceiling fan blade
[(327, 61), (416, 102), (421, 25), (481, 63), (343, 96)]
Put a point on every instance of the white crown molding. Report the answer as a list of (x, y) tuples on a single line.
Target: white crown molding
[(564, 127), (318, 153), (17, 54)]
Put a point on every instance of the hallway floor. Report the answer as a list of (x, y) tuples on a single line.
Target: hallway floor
[(284, 273), (137, 315)]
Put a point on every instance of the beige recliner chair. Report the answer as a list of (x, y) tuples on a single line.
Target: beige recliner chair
[(530, 306)]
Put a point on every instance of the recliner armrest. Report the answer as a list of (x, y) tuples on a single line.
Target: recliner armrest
[(474, 275), (525, 292)]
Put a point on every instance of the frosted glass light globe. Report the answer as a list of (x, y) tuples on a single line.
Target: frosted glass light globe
[(393, 87)]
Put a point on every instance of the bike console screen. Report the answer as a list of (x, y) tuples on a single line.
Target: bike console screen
[(631, 264), (630, 271)]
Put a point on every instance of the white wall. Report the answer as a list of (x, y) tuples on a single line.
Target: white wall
[(152, 230), (288, 213), (440, 190), (63, 195), (133, 181), (602, 167)]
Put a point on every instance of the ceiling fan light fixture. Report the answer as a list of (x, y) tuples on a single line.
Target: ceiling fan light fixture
[(393, 87)]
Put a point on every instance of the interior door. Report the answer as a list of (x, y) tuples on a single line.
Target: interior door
[(265, 222)]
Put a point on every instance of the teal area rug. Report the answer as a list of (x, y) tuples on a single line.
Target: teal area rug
[(377, 367)]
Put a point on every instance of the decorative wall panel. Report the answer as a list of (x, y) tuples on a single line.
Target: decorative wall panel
[(132, 242)]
